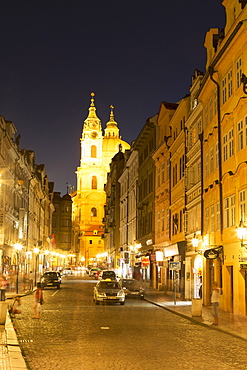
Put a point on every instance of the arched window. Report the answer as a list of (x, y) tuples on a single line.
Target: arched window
[(94, 182), (93, 212), (93, 151)]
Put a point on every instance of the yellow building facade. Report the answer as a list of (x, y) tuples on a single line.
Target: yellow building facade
[(224, 159), (97, 150)]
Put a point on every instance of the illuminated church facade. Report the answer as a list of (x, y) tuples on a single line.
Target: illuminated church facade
[(97, 150)]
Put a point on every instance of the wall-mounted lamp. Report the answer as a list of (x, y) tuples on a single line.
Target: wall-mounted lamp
[(195, 241), (241, 233)]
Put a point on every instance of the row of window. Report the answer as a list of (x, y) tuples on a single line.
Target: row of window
[(228, 146), (212, 213)]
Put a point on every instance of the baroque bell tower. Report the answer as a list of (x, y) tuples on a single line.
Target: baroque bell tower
[(89, 200)]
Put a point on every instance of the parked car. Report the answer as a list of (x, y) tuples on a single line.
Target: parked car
[(107, 274), (67, 271), (132, 288), (50, 279), (109, 291), (97, 274), (94, 271)]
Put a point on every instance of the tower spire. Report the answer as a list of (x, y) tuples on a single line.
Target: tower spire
[(92, 108), (112, 113)]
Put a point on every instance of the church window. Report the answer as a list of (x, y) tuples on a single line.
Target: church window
[(93, 151), (93, 212), (94, 182)]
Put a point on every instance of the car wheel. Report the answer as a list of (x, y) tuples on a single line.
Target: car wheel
[(122, 303), (58, 286), (96, 302)]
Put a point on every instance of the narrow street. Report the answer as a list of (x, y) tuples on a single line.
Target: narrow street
[(74, 333)]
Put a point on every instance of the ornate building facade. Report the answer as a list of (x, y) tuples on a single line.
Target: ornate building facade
[(97, 150)]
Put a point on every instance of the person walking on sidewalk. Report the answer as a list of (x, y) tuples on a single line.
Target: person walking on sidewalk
[(38, 301), (215, 299)]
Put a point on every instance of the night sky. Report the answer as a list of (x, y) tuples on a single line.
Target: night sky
[(131, 54)]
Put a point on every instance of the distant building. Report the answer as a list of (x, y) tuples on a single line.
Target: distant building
[(61, 222), (89, 199)]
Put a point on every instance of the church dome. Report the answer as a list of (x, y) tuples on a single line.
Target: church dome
[(112, 140)]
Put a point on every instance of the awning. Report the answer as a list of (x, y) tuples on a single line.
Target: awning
[(172, 250)]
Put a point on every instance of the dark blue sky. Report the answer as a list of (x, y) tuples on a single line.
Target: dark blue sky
[(132, 54)]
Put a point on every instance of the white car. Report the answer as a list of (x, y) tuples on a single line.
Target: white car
[(67, 271), (109, 291)]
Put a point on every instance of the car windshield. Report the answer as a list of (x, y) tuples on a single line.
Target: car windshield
[(108, 274), (131, 283), (108, 285), (50, 274)]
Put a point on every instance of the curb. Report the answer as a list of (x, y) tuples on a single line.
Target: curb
[(196, 321), (16, 359)]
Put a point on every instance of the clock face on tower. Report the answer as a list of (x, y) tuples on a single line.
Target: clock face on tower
[(93, 135)]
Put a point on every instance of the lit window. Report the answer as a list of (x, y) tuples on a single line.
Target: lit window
[(93, 151), (238, 72), (240, 135), (93, 212), (94, 182)]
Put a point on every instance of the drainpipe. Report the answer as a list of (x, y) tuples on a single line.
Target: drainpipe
[(202, 183), (211, 72)]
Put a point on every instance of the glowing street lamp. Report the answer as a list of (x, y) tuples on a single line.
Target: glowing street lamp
[(195, 242), (18, 248), (242, 233)]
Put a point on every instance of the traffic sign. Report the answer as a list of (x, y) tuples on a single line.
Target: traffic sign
[(175, 265)]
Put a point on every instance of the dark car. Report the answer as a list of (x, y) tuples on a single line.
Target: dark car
[(50, 279), (132, 288), (109, 291), (107, 274)]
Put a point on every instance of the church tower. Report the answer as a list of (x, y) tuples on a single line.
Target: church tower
[(90, 198)]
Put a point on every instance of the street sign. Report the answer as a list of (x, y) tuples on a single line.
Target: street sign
[(175, 265), (145, 262)]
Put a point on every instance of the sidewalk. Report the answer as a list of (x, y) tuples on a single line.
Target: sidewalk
[(228, 322), (10, 354)]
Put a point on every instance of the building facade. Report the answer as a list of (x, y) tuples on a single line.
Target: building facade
[(25, 213), (89, 200)]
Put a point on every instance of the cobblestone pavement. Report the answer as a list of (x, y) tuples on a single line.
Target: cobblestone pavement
[(74, 333)]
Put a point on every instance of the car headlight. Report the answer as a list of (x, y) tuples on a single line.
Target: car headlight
[(101, 294), (42, 279)]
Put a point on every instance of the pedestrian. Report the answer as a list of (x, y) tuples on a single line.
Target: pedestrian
[(215, 299), (38, 297), (14, 309)]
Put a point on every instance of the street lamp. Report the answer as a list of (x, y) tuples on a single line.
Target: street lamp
[(36, 252), (195, 241), (242, 233), (18, 248)]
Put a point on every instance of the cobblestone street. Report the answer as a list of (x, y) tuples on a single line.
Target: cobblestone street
[(75, 333)]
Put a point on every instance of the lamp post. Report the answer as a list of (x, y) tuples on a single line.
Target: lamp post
[(18, 248), (36, 252)]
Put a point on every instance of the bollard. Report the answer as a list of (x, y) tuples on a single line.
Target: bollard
[(2, 294), (196, 307)]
